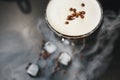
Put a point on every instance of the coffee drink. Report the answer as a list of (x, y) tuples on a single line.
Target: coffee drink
[(74, 18)]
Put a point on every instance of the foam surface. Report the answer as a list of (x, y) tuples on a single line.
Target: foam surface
[(58, 10)]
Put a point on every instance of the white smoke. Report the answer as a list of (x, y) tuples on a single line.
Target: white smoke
[(95, 59), (23, 47)]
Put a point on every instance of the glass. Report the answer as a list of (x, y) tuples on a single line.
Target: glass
[(75, 40)]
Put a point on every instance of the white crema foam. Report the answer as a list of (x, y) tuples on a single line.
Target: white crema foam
[(58, 11)]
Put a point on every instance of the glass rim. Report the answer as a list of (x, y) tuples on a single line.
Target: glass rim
[(78, 36)]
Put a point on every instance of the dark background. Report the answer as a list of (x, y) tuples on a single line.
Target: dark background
[(113, 71), (28, 12)]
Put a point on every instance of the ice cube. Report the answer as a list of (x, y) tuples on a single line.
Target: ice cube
[(33, 70), (50, 47), (64, 58)]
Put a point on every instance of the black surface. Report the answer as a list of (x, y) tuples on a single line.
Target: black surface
[(113, 71), (11, 14), (110, 5)]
